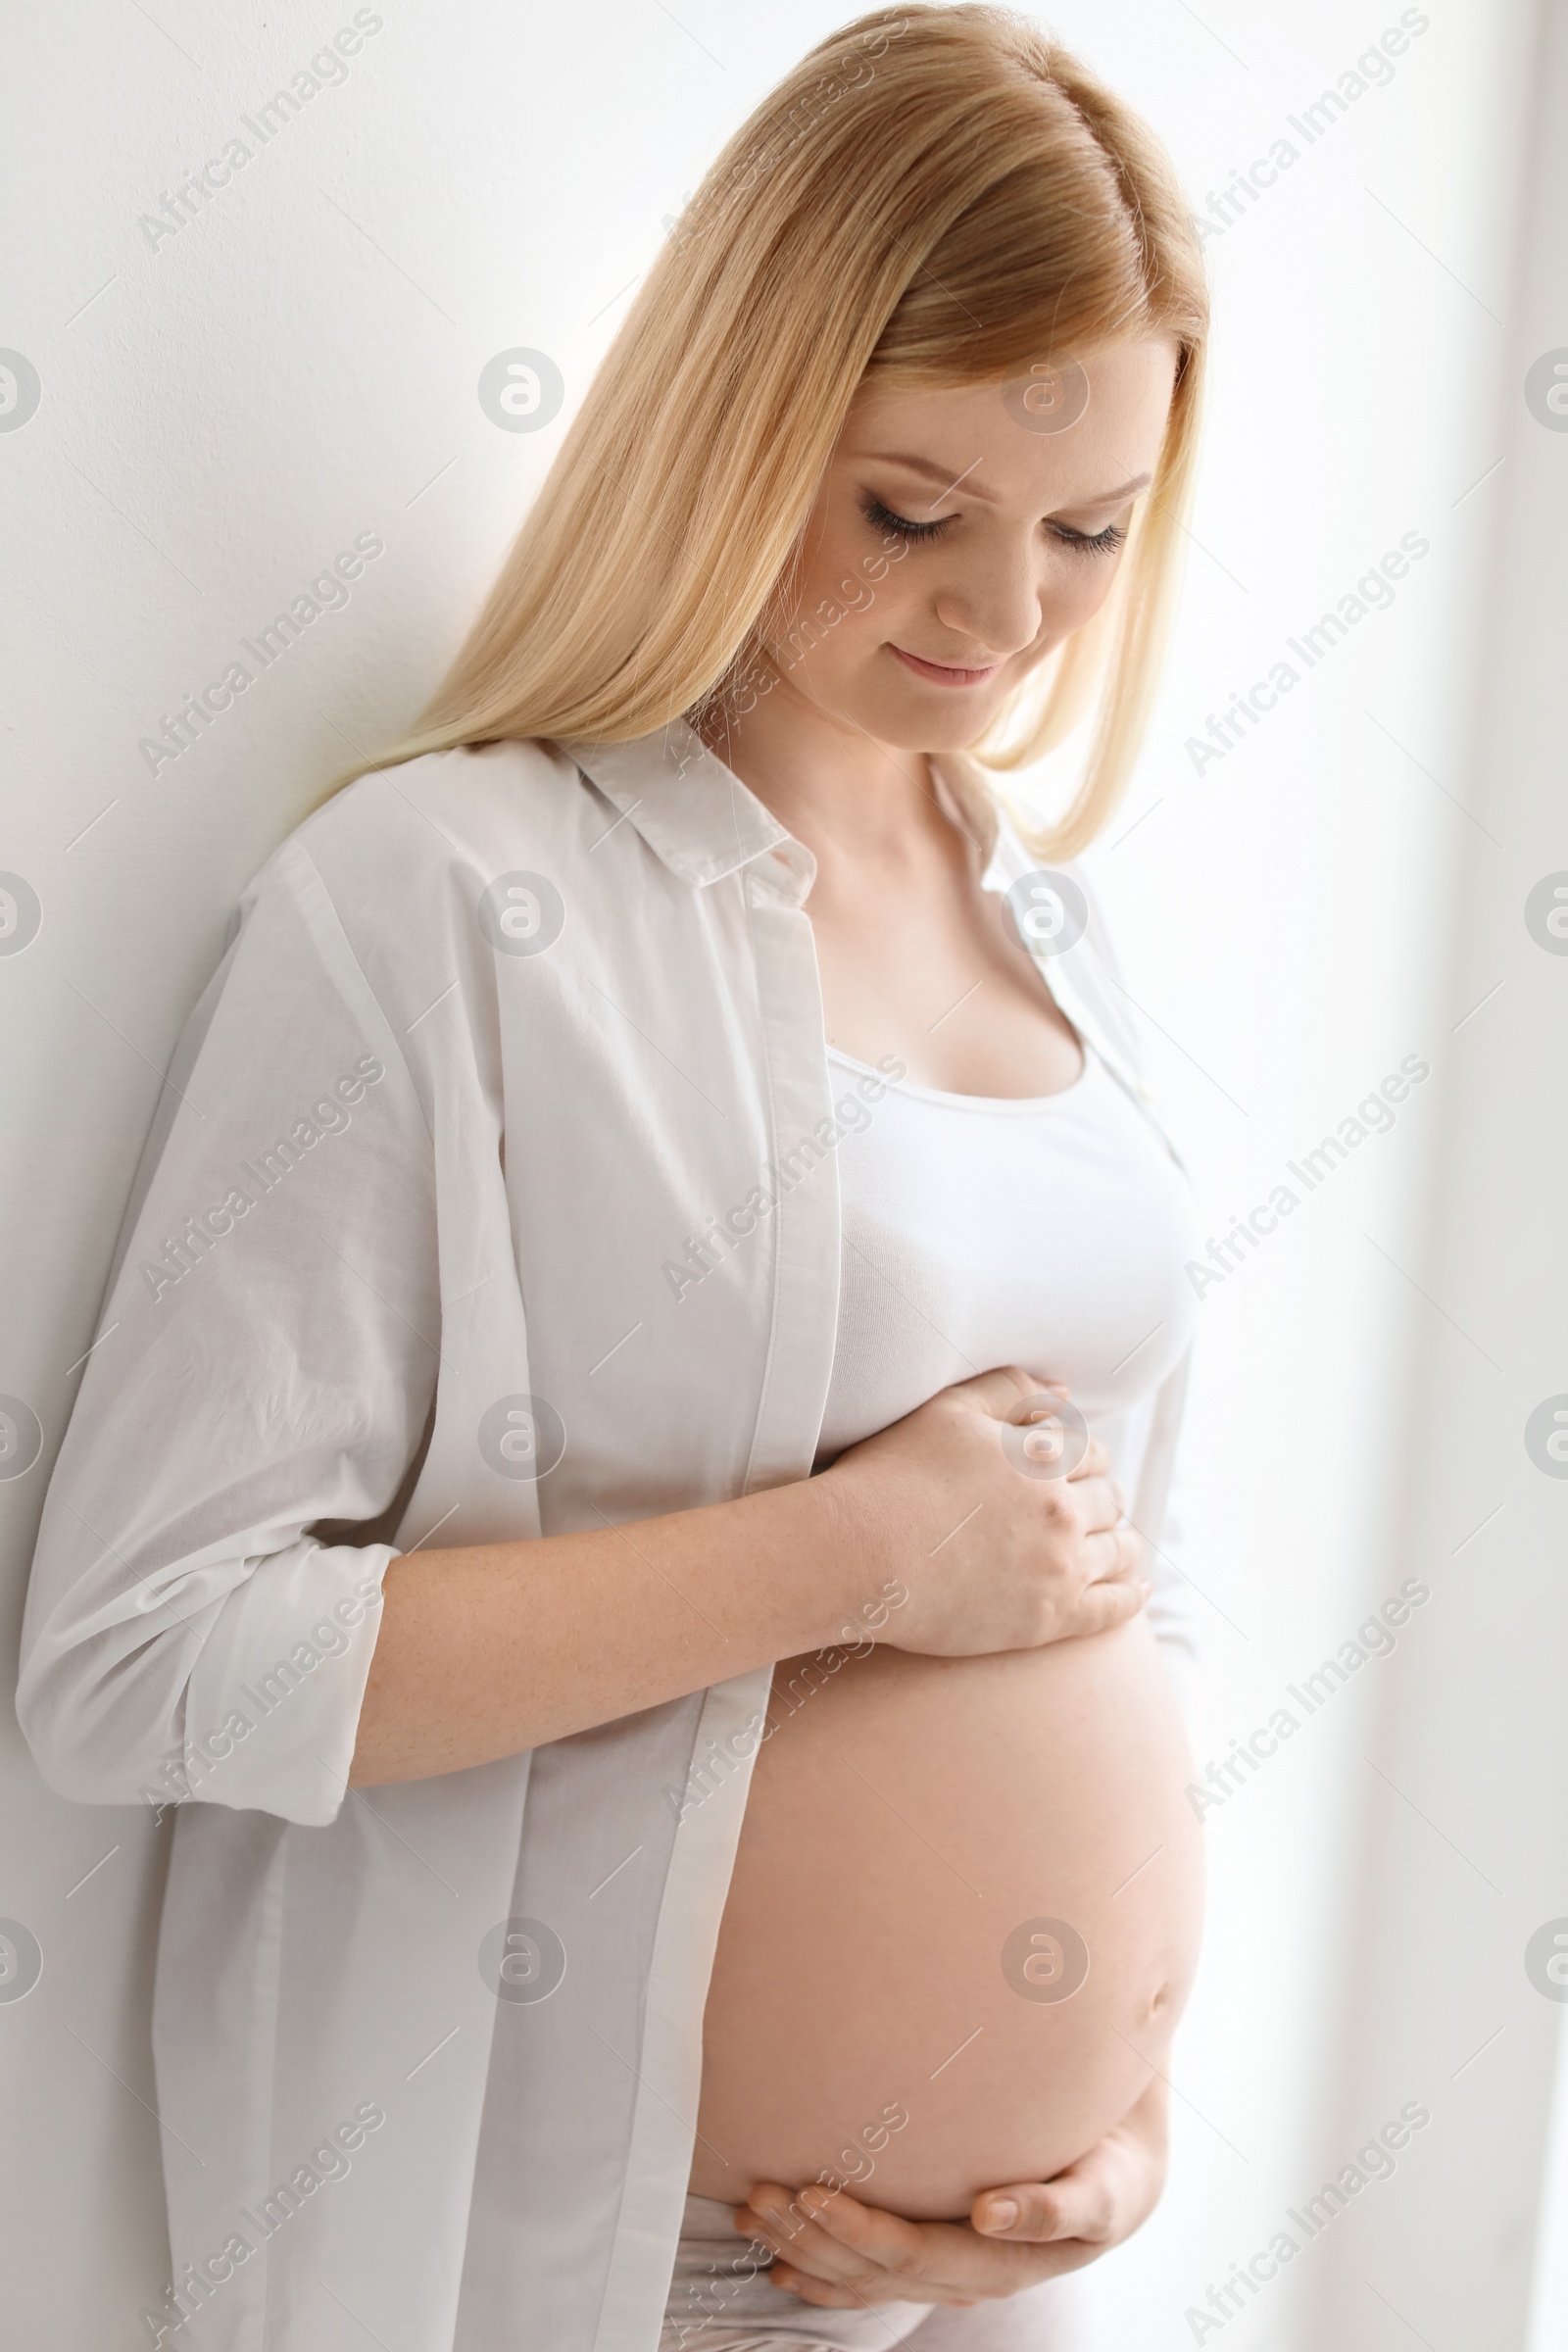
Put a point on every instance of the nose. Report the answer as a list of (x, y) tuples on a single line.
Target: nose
[(997, 602)]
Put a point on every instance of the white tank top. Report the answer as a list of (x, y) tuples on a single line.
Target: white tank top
[(1049, 1233)]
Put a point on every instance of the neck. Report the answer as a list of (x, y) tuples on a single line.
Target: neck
[(833, 786)]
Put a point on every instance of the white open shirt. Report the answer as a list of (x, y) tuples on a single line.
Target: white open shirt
[(499, 1143)]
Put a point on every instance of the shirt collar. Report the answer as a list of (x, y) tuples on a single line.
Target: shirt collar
[(697, 815), (692, 810)]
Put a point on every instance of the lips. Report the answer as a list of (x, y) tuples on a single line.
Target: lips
[(944, 673)]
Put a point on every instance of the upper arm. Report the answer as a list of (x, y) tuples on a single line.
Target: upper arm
[(267, 1360)]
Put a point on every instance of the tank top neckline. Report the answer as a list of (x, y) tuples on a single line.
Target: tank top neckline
[(1002, 1104)]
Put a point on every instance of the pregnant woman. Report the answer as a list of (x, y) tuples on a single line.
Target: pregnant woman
[(659, 1185)]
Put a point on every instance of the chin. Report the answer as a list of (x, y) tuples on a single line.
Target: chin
[(941, 719)]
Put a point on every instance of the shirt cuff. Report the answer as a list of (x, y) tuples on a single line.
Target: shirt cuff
[(272, 1704)]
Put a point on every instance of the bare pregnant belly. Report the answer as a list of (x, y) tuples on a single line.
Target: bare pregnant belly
[(963, 1920)]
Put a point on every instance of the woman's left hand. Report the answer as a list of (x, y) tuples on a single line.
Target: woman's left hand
[(838, 2253)]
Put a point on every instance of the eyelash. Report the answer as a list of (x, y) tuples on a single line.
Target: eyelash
[(883, 519)]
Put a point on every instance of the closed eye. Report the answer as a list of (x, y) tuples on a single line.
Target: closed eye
[(1097, 543), (882, 518)]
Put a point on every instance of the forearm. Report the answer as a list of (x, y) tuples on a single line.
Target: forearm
[(489, 1649)]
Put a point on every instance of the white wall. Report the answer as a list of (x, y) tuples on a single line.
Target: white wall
[(223, 411), (1476, 1736)]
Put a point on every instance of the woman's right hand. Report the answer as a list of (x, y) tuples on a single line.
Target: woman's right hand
[(992, 1557)]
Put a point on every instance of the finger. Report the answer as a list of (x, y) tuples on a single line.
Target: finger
[(1111, 1552), (1094, 1463), (922, 2262), (998, 1392), (817, 2257), (1113, 1601), (800, 2233), (973, 2269), (1041, 2213), (882, 2288), (926, 2262), (1099, 1500), (853, 2235)]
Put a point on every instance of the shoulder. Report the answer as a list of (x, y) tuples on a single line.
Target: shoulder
[(477, 809), (410, 849), (385, 878)]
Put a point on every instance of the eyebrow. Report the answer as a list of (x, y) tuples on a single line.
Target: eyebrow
[(933, 472)]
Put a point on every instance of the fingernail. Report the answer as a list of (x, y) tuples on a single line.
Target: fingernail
[(1001, 2213)]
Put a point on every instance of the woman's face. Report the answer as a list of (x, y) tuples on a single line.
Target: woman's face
[(959, 535)]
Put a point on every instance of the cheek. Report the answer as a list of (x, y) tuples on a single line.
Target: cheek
[(844, 568), (1074, 591), (834, 547), (870, 612), (845, 599)]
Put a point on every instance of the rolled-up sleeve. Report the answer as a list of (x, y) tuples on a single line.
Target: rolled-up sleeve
[(264, 1368)]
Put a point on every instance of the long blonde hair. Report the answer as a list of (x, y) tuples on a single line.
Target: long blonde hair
[(934, 195)]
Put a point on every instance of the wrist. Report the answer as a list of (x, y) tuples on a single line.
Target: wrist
[(860, 1552)]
